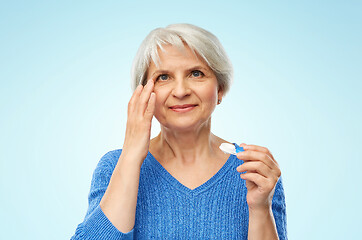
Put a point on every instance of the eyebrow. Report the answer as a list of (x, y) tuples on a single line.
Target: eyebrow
[(187, 70)]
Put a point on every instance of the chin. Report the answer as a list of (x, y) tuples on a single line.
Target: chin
[(182, 125)]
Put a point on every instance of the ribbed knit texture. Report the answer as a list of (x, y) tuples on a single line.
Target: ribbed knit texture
[(166, 209)]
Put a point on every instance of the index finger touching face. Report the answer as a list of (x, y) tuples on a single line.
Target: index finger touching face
[(145, 95), (147, 89)]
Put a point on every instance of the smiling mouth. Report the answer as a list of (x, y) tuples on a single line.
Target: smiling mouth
[(183, 108)]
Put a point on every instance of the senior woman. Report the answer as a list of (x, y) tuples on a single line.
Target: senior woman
[(180, 185)]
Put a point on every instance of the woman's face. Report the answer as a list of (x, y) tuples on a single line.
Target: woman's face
[(186, 89)]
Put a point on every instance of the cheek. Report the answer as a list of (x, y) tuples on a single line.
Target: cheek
[(160, 100), (209, 94)]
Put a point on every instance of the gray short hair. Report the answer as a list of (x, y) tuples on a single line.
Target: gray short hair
[(199, 40)]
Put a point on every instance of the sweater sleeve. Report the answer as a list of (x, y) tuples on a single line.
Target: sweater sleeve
[(279, 210), (96, 225)]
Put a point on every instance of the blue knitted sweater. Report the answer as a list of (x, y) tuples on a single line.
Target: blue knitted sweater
[(166, 209)]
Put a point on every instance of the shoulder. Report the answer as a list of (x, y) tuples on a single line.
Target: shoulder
[(109, 160), (279, 195)]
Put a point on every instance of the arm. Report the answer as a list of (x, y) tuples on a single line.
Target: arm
[(115, 195), (265, 196), (120, 200), (97, 224), (264, 224)]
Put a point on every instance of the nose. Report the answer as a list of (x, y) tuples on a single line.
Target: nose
[(181, 88)]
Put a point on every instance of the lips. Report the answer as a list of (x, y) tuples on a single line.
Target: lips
[(183, 106)]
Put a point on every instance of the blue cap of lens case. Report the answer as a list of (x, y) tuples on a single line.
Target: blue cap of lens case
[(238, 149)]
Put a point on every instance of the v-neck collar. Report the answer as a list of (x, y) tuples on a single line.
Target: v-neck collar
[(179, 186)]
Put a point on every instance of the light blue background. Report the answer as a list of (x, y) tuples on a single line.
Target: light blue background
[(65, 86)]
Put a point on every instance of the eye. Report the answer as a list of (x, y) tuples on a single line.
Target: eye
[(162, 77), (197, 73)]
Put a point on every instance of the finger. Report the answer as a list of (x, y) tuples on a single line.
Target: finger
[(259, 149), (256, 167), (145, 96), (151, 107), (133, 101), (249, 155), (256, 178)]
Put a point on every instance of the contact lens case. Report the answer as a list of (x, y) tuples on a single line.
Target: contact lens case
[(231, 148)]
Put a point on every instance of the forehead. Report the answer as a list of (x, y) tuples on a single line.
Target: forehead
[(177, 57)]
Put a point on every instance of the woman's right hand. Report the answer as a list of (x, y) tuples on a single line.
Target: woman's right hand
[(139, 120)]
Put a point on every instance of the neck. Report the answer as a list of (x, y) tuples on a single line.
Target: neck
[(187, 147)]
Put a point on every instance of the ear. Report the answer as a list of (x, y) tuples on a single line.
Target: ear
[(220, 92)]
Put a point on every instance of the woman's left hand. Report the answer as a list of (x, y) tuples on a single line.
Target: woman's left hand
[(261, 177)]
